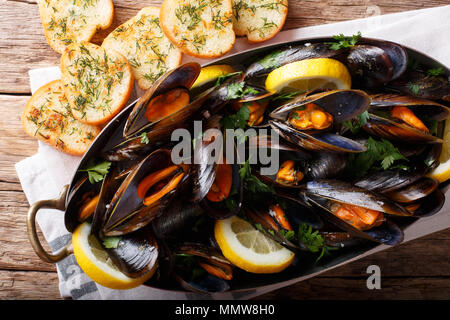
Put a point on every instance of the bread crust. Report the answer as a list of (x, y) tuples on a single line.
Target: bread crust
[(168, 10), (47, 117)]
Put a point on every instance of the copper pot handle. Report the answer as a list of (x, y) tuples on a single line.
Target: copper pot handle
[(59, 204)]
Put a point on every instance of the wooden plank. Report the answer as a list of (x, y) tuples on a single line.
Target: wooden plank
[(24, 46), (401, 288), (24, 284), (28, 285)]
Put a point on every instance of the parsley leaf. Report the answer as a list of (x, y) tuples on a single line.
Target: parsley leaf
[(435, 72), (96, 172), (237, 90), (221, 79), (144, 138), (287, 95), (345, 42), (383, 151), (356, 124), (289, 235), (313, 241), (272, 60), (111, 242), (414, 88), (251, 182), (238, 120)]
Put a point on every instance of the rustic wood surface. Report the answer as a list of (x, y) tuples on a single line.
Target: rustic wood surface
[(416, 270)]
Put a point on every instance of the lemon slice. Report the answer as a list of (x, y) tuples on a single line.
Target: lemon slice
[(249, 249), (211, 73), (442, 172), (94, 261), (310, 74)]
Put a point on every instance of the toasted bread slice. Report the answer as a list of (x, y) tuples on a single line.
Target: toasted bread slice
[(97, 82), (147, 49), (47, 116), (69, 21), (200, 28), (259, 20)]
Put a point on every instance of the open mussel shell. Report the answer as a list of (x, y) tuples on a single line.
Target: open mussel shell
[(182, 77), (323, 141), (226, 208), (111, 182), (298, 212), (160, 132), (392, 130), (204, 168), (387, 233), (382, 124), (422, 85), (216, 262), (346, 192), (287, 55), (82, 193), (429, 205), (415, 191), (421, 107), (136, 253), (126, 212), (343, 105)]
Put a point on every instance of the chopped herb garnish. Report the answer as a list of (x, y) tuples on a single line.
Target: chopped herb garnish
[(287, 95), (237, 90), (435, 72), (377, 151), (356, 124), (343, 42), (414, 88), (111, 242), (313, 241), (144, 138), (221, 79), (251, 182), (96, 172), (238, 120)]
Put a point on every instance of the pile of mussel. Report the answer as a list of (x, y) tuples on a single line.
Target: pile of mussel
[(164, 212)]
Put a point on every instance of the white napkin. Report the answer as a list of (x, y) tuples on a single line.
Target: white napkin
[(44, 174)]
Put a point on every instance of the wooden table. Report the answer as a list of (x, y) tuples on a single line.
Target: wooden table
[(416, 270)]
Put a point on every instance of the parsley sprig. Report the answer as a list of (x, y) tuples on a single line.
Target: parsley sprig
[(144, 138), (221, 79), (96, 171), (111, 242), (238, 120), (313, 241), (251, 182), (237, 90), (343, 42), (356, 124), (377, 151)]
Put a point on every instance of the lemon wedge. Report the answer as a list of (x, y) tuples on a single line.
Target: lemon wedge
[(94, 261), (310, 74), (211, 73), (442, 172), (249, 249)]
